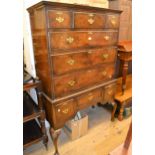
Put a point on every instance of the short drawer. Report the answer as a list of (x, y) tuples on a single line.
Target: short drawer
[(69, 62), (109, 92), (65, 110), (89, 20), (112, 21), (80, 39), (59, 19), (89, 99), (102, 55), (70, 83)]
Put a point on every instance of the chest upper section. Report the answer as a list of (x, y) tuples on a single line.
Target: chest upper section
[(83, 19)]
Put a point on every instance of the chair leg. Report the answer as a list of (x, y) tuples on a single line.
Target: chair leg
[(120, 116), (113, 111)]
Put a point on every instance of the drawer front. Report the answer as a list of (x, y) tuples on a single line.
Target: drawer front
[(70, 62), (112, 21), (88, 99), (102, 55), (89, 20), (109, 92), (82, 79), (59, 19), (65, 110), (79, 39)]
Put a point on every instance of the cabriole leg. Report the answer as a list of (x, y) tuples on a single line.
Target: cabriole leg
[(55, 135)]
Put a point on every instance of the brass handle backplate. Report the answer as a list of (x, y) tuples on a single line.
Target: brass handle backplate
[(70, 40), (91, 21), (107, 38), (105, 56), (59, 19), (71, 83), (89, 38), (113, 22), (65, 111), (71, 62)]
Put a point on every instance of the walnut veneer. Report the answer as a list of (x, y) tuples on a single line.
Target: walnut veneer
[(75, 55)]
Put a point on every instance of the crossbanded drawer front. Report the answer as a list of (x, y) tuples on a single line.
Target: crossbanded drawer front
[(59, 19), (70, 83), (91, 98), (102, 55), (69, 62), (89, 20), (80, 39), (85, 58), (109, 92), (65, 110)]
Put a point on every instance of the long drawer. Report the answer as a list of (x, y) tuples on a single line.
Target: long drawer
[(82, 39), (85, 58), (73, 82)]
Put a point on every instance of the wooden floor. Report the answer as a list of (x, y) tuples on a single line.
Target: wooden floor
[(120, 150), (103, 136)]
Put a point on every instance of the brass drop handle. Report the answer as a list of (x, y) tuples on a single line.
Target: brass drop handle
[(89, 38), (106, 38), (104, 73), (59, 19), (105, 56), (65, 111), (91, 21), (71, 62), (113, 22), (71, 83), (70, 40), (90, 96)]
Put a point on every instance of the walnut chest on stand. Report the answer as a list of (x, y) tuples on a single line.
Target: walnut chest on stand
[(75, 54)]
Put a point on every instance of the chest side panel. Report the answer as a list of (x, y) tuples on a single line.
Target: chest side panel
[(40, 48)]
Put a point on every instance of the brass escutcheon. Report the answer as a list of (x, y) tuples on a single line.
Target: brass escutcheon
[(90, 14), (71, 62), (70, 40), (71, 83)]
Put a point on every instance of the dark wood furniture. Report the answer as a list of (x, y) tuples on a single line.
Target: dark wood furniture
[(125, 55), (128, 137), (75, 49), (32, 131), (125, 31), (124, 99)]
